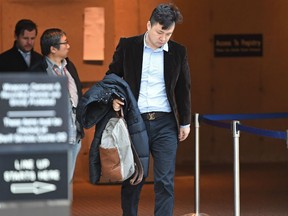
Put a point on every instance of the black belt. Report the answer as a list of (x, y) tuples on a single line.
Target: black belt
[(153, 115)]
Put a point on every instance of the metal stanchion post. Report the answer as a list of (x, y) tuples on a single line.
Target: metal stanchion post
[(196, 180), (286, 138), (236, 135), (196, 175)]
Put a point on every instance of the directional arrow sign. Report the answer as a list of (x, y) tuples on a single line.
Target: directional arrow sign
[(49, 180), (35, 188)]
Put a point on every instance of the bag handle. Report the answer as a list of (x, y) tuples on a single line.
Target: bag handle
[(120, 113)]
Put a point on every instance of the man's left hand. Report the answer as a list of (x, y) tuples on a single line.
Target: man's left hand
[(183, 133)]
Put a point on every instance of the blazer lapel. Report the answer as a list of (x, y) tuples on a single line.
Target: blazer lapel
[(137, 60), (168, 66)]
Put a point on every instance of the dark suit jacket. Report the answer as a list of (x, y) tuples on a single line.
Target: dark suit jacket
[(127, 63), (12, 60)]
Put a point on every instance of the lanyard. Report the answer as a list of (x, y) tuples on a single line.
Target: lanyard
[(58, 71)]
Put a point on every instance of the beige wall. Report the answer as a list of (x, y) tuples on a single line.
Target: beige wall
[(237, 85), (219, 85)]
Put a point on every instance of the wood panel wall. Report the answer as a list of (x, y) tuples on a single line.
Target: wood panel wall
[(219, 85)]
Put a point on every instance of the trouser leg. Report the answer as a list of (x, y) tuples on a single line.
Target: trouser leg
[(130, 196), (75, 149), (163, 146)]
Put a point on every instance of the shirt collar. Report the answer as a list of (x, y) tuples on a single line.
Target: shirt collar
[(53, 65), (166, 47), (24, 53)]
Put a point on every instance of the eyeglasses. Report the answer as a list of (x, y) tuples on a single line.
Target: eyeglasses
[(65, 43)]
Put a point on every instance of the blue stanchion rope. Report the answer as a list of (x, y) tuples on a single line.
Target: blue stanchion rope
[(223, 117), (215, 120), (263, 132)]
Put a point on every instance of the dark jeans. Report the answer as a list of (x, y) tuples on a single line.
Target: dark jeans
[(163, 141)]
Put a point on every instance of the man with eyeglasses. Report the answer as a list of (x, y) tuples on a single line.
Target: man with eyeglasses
[(55, 48), (21, 56)]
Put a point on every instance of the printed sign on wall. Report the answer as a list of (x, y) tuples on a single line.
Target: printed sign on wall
[(238, 45)]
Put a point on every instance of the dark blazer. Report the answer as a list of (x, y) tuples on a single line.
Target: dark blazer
[(41, 66), (127, 63), (12, 60)]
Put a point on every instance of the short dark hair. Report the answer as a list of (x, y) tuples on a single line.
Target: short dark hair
[(166, 15), (50, 37), (25, 24)]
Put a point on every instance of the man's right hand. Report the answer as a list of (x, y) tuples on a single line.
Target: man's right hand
[(117, 104)]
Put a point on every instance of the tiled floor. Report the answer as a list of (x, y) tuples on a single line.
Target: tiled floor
[(264, 192)]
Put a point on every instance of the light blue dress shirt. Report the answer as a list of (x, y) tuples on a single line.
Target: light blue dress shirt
[(152, 96)]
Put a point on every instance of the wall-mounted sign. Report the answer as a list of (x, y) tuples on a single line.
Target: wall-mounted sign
[(34, 109), (238, 45)]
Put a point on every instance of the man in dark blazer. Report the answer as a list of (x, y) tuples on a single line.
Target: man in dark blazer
[(157, 70), (21, 56)]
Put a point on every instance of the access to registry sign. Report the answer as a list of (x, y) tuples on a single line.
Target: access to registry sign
[(238, 45)]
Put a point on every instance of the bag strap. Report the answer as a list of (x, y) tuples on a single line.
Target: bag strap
[(139, 172), (120, 113)]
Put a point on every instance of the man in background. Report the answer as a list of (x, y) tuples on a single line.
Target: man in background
[(21, 56), (55, 48)]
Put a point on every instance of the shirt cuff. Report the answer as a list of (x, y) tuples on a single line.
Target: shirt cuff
[(184, 126)]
